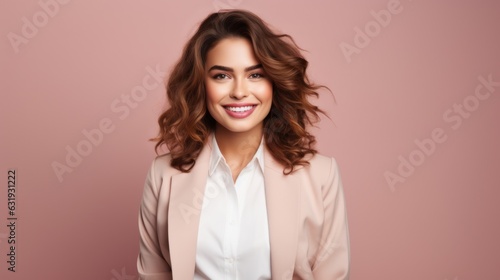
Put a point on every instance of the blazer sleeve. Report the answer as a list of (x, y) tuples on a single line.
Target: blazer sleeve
[(151, 265), (333, 259)]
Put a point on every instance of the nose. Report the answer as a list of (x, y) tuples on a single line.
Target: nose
[(239, 90)]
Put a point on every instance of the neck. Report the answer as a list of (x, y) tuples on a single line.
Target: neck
[(238, 147)]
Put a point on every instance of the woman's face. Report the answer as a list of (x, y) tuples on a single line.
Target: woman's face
[(239, 95)]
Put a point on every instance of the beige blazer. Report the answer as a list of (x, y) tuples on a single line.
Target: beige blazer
[(308, 231)]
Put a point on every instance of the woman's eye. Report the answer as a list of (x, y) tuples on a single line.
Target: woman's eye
[(220, 76), (256, 76)]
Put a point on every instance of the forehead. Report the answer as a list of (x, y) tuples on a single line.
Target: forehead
[(234, 52)]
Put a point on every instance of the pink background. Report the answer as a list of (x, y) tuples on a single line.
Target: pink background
[(440, 223)]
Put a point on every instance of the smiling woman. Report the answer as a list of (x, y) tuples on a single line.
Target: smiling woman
[(242, 193), (239, 95)]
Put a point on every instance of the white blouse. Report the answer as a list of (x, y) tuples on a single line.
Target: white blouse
[(233, 235)]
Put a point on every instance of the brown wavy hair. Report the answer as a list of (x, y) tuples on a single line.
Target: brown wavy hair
[(186, 124)]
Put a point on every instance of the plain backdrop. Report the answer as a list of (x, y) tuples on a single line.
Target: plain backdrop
[(412, 126)]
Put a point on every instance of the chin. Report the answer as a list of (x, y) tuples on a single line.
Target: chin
[(239, 128)]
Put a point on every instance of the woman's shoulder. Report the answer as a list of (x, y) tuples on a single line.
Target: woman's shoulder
[(321, 158), (159, 171), (161, 166), (323, 168), (320, 161), (162, 160)]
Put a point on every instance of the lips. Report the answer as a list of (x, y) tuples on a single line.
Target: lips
[(239, 110)]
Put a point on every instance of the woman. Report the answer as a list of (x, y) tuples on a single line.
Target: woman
[(242, 193)]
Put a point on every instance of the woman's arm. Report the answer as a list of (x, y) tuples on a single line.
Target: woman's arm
[(151, 265), (333, 259)]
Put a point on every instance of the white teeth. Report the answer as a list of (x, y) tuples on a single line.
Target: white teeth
[(239, 109)]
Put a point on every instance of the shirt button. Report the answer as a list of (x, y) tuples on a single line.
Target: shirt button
[(232, 222), (230, 260)]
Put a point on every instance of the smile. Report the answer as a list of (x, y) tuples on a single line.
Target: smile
[(239, 111)]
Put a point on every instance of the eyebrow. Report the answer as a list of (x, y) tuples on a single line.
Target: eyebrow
[(229, 69)]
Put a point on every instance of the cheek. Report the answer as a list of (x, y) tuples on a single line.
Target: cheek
[(214, 92), (210, 103), (211, 94), (265, 93)]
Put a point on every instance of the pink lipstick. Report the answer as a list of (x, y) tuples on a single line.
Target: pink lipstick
[(239, 110)]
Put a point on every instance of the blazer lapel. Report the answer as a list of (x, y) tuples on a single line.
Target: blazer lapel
[(282, 200), (186, 198)]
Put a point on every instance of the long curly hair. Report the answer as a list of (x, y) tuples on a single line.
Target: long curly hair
[(186, 124)]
